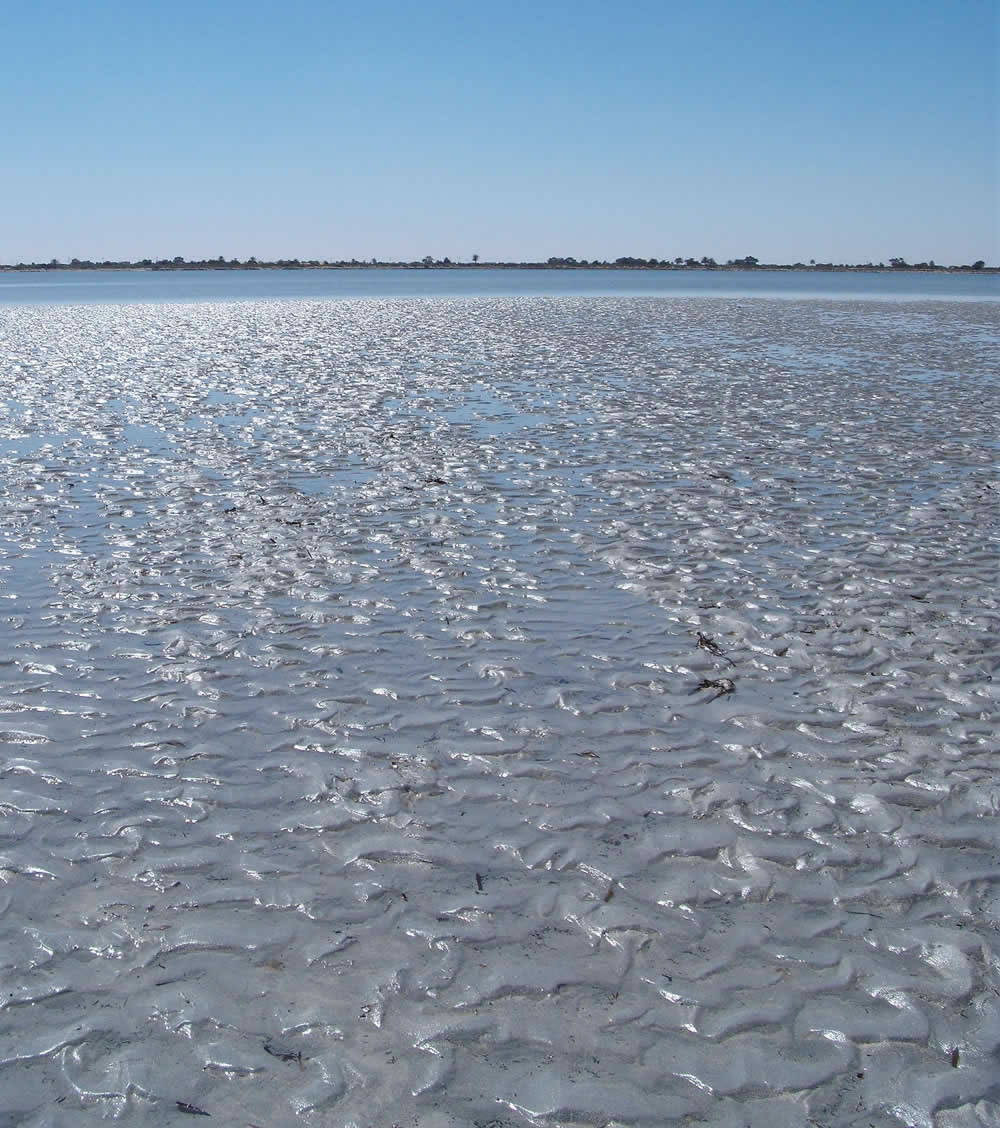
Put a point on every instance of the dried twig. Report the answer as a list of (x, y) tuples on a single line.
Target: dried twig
[(722, 685), (709, 644)]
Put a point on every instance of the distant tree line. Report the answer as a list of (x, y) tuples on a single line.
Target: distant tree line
[(568, 262)]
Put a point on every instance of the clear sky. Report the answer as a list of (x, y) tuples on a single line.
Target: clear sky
[(848, 130)]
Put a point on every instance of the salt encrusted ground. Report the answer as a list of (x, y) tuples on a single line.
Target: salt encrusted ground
[(500, 712)]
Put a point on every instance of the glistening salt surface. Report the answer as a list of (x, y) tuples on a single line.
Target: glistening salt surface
[(500, 712)]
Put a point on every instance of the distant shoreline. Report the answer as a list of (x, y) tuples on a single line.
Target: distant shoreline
[(730, 267)]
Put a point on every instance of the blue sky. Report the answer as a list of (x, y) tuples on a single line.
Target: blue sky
[(841, 131)]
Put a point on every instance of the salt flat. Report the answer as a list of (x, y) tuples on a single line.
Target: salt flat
[(500, 712)]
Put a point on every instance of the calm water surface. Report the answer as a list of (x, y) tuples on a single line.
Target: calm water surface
[(71, 287)]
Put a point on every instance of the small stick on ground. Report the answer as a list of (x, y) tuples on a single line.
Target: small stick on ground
[(722, 685), (709, 644)]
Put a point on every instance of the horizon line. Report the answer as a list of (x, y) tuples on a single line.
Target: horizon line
[(428, 262)]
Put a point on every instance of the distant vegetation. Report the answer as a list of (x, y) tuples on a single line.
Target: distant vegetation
[(429, 262)]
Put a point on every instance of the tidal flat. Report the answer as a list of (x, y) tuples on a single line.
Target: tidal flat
[(500, 712)]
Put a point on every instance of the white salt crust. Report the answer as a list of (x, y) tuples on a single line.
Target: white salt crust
[(500, 712)]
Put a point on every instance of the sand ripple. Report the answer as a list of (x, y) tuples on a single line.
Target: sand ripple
[(500, 712)]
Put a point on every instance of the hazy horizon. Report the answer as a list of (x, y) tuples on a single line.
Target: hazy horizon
[(316, 262), (512, 132)]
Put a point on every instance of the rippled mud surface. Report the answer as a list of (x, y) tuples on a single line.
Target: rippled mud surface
[(500, 712)]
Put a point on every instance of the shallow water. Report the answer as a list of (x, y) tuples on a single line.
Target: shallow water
[(36, 287), (508, 711)]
